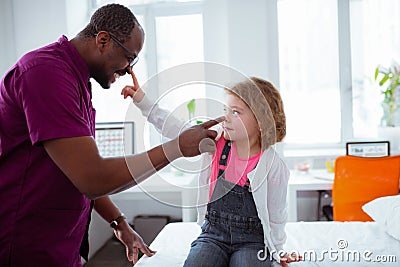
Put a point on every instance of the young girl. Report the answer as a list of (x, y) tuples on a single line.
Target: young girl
[(245, 186)]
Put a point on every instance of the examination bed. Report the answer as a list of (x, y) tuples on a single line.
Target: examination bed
[(320, 243)]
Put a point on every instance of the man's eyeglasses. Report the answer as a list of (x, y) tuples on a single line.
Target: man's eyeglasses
[(135, 57)]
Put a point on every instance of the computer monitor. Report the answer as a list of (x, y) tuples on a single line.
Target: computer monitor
[(115, 139), (368, 149)]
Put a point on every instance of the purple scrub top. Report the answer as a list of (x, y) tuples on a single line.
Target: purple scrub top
[(43, 216)]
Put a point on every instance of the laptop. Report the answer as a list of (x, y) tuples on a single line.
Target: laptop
[(368, 149)]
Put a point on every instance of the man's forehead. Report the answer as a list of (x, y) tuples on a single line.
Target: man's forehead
[(137, 39)]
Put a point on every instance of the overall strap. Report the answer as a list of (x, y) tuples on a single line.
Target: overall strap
[(223, 160)]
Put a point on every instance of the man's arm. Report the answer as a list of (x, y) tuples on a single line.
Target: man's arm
[(94, 176), (106, 208)]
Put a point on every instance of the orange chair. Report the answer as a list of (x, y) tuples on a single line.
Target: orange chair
[(359, 180)]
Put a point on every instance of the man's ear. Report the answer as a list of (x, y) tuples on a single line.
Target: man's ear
[(102, 39)]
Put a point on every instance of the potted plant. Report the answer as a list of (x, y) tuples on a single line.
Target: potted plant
[(191, 106), (389, 81)]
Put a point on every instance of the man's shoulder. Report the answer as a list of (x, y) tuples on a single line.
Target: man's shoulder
[(51, 56)]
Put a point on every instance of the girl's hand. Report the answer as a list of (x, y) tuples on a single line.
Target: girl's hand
[(134, 91), (288, 258)]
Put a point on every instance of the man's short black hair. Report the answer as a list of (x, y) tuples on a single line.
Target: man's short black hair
[(113, 18)]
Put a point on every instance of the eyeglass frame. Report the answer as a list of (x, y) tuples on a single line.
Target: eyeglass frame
[(135, 57)]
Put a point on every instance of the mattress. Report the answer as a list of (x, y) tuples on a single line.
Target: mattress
[(172, 245), (320, 243), (342, 244)]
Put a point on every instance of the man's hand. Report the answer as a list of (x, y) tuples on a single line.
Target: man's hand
[(199, 139), (132, 241)]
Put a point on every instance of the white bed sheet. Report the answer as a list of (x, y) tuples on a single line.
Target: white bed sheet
[(172, 245), (349, 239), (349, 244)]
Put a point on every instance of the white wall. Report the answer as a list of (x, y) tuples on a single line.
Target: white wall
[(237, 33), (77, 16), (37, 23), (7, 52), (27, 25)]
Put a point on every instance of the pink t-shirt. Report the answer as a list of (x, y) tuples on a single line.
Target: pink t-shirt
[(237, 168)]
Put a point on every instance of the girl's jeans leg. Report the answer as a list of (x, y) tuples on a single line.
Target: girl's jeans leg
[(205, 253), (247, 256)]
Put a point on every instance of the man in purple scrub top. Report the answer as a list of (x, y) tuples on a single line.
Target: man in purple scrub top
[(51, 173)]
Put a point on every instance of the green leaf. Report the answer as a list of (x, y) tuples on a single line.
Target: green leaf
[(191, 106), (376, 73), (384, 79)]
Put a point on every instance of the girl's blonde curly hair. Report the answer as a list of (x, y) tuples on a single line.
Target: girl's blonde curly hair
[(265, 102)]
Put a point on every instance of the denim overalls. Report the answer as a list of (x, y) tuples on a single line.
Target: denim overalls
[(232, 233)]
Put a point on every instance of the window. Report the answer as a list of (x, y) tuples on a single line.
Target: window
[(309, 78), (375, 40), (179, 41), (316, 40)]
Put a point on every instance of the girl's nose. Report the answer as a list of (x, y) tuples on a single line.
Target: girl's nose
[(227, 117)]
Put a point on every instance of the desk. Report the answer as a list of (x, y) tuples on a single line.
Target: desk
[(306, 182), (161, 185)]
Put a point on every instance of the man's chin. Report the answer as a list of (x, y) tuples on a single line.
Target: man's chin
[(105, 85)]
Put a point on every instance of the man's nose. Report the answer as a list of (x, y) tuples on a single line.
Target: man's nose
[(128, 70)]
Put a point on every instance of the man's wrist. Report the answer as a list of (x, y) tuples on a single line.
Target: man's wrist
[(117, 221)]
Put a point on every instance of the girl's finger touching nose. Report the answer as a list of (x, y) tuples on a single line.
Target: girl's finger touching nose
[(135, 81)]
